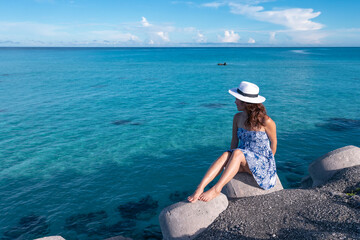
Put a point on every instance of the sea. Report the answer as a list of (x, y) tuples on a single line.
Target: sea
[(95, 142)]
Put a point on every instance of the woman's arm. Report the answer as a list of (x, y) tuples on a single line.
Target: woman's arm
[(270, 129), (235, 140)]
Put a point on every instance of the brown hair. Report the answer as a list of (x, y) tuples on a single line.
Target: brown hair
[(257, 116)]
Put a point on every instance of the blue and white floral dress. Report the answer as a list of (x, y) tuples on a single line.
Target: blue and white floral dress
[(256, 147)]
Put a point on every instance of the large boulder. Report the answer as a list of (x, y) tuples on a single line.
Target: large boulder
[(184, 220), (51, 238), (244, 185), (322, 169), (329, 212)]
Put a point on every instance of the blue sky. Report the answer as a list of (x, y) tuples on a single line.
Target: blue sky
[(179, 23)]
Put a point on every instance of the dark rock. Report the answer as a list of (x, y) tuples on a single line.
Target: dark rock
[(152, 232), (87, 223), (306, 182), (340, 124), (213, 105), (325, 212), (29, 227), (143, 210), (121, 122)]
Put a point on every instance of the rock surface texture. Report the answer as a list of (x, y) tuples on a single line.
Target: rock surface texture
[(328, 212), (184, 220), (327, 165), (51, 238), (244, 185)]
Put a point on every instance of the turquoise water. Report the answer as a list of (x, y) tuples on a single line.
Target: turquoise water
[(86, 130)]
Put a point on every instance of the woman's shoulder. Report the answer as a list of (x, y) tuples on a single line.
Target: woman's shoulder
[(268, 121)]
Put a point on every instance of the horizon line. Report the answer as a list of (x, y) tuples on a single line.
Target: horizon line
[(179, 47)]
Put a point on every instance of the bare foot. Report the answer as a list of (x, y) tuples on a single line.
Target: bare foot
[(209, 195), (195, 196)]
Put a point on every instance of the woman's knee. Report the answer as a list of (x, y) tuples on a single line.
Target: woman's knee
[(226, 154), (238, 153), (224, 157)]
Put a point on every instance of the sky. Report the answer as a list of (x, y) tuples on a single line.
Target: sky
[(159, 23)]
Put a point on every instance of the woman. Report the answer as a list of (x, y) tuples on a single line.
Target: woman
[(255, 153)]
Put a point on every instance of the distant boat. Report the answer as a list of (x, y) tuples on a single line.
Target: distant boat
[(222, 64)]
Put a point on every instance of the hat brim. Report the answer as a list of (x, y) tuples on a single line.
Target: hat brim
[(258, 99)]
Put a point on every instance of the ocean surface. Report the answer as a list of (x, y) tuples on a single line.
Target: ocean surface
[(94, 142)]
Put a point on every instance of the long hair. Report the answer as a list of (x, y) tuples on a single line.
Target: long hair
[(257, 116)]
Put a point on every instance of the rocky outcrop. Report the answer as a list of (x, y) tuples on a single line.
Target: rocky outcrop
[(244, 185), (327, 165), (184, 220), (330, 211), (51, 238)]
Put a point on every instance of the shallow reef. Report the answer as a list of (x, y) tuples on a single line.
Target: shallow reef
[(178, 196), (123, 227), (94, 225), (340, 124), (144, 209), (28, 227), (87, 223), (152, 232)]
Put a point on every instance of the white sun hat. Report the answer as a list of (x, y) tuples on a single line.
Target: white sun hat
[(247, 92)]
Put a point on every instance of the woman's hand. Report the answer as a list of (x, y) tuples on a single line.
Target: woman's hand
[(270, 129)]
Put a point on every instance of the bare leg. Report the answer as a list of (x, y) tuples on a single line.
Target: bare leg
[(214, 170), (236, 160)]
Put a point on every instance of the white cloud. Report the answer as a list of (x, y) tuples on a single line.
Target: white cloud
[(292, 18), (230, 37), (151, 42), (164, 36), (307, 37), (213, 4), (200, 38), (237, 8), (189, 29), (144, 22), (251, 40), (272, 36), (182, 2)]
